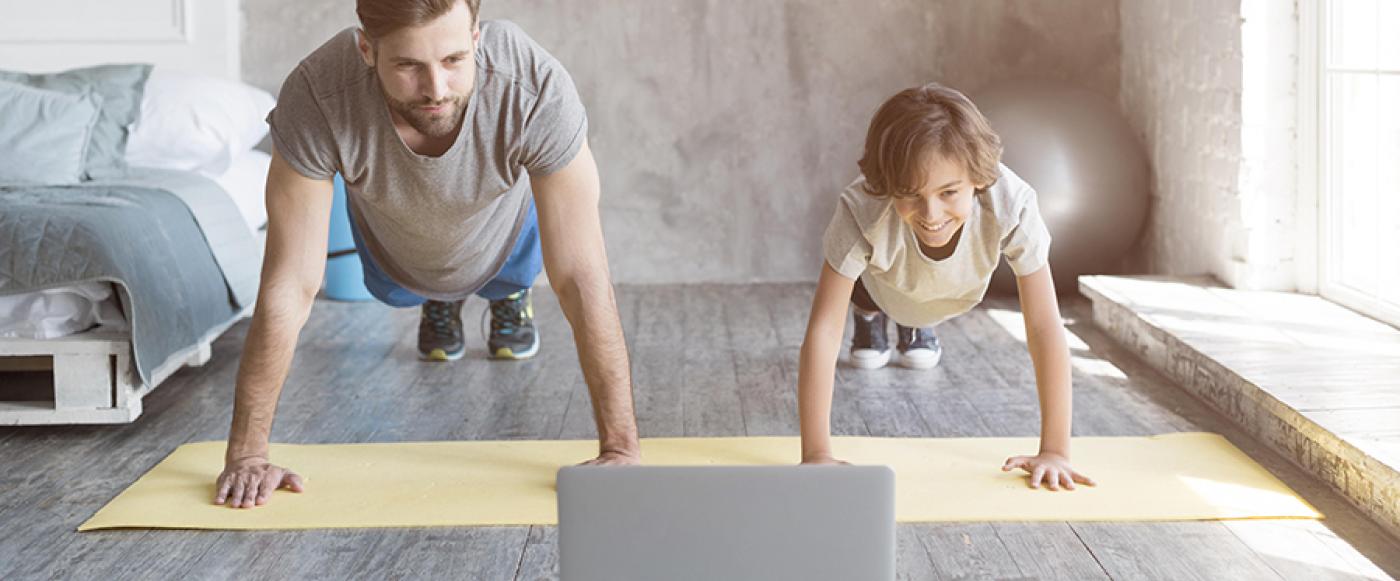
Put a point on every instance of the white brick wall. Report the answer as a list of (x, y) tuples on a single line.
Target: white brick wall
[(1209, 85), (1269, 241), (1180, 91)]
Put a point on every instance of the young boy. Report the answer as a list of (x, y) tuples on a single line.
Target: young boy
[(915, 239)]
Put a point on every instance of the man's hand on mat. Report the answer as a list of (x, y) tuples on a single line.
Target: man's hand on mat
[(613, 458), (824, 459), (248, 483), (1052, 469)]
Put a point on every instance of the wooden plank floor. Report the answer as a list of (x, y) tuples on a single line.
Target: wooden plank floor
[(708, 360)]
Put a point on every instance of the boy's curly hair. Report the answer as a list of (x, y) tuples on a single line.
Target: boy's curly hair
[(922, 120)]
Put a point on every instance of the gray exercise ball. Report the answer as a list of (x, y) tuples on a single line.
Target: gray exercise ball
[(1091, 175)]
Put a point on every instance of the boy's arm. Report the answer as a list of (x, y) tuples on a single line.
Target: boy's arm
[(817, 369), (1045, 339)]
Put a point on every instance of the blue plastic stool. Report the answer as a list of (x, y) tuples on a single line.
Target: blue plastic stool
[(345, 276)]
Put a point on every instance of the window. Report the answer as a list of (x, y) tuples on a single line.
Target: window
[(1354, 55)]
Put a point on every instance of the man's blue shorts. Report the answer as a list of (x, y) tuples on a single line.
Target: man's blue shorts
[(519, 272)]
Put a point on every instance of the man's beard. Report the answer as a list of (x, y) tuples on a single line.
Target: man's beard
[(440, 125)]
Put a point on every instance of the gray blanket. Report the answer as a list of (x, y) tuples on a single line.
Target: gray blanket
[(173, 242)]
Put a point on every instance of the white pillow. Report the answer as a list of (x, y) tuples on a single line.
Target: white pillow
[(197, 122)]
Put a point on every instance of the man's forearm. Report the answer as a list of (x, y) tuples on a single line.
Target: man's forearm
[(591, 308), (267, 355)]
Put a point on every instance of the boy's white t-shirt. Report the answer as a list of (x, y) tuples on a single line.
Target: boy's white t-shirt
[(868, 239)]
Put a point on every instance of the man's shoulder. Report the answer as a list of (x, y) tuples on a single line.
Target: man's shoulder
[(507, 42), (334, 65), (507, 52)]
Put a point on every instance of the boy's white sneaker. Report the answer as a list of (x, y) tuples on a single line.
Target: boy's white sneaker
[(919, 348), (869, 358), (870, 345)]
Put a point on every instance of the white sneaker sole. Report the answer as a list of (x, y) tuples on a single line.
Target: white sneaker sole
[(869, 358), (920, 358)]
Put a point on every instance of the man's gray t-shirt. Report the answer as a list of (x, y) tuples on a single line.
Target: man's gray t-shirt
[(441, 227)]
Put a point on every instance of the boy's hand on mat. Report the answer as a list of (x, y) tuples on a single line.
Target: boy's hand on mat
[(1052, 469), (614, 459), (248, 483)]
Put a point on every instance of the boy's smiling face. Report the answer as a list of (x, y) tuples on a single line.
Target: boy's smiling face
[(938, 210)]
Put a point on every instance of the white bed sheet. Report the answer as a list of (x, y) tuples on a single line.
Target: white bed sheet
[(54, 313), (246, 182)]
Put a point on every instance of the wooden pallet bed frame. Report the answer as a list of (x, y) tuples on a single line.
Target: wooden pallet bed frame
[(94, 381)]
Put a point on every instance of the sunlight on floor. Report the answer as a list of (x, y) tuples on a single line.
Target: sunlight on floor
[(1014, 324), (1098, 367)]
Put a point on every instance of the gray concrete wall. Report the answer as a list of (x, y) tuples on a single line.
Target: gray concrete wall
[(723, 130)]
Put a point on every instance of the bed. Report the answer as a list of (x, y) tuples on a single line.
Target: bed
[(114, 278)]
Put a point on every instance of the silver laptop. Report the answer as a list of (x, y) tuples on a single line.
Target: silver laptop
[(807, 523)]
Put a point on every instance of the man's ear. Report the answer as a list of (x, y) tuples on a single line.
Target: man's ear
[(476, 33), (366, 47)]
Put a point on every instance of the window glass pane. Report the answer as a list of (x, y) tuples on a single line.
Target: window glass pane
[(1353, 175), (1388, 191), (1388, 41), (1351, 33), (1360, 158)]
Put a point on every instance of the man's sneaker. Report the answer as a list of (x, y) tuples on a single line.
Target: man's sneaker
[(513, 333), (440, 331), (870, 347), (918, 347)]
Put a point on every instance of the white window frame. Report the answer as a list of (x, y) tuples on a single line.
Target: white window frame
[(1318, 265)]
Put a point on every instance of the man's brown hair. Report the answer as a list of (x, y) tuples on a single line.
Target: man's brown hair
[(923, 120), (381, 18)]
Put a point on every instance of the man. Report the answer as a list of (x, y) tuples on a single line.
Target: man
[(442, 128)]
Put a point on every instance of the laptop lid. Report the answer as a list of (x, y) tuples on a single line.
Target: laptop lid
[(726, 522)]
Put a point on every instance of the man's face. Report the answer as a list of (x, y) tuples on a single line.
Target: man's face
[(428, 72), (937, 211)]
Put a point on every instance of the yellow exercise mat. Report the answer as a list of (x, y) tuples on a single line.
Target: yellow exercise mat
[(1186, 476)]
